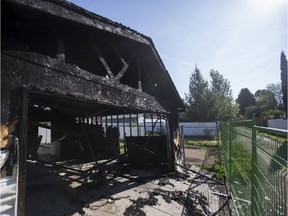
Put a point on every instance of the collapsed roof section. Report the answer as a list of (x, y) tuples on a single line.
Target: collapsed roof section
[(101, 61)]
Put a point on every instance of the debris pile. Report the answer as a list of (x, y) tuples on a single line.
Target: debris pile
[(135, 207), (134, 192)]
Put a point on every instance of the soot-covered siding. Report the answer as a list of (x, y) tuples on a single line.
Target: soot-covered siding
[(38, 72)]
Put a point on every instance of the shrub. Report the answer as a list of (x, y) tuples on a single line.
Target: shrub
[(273, 114), (218, 171)]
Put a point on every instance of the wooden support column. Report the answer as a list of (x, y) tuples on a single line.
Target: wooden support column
[(22, 96), (144, 115), (137, 122), (61, 48), (139, 77)]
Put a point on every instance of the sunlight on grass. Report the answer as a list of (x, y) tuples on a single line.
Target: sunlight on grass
[(204, 143), (121, 143)]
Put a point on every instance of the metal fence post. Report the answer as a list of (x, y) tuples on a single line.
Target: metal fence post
[(230, 154), (254, 199), (256, 172)]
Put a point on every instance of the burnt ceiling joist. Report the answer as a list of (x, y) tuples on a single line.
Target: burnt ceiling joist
[(76, 107)]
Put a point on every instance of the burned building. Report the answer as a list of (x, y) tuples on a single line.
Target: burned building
[(77, 73)]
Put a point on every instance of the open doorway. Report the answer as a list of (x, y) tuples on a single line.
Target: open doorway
[(73, 144)]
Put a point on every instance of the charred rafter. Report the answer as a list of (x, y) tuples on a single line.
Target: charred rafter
[(116, 78)]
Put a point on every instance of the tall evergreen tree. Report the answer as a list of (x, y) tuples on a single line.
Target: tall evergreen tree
[(196, 101), (209, 103), (283, 67), (245, 99)]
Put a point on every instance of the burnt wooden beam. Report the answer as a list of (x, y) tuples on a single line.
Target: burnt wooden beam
[(87, 139), (122, 71), (56, 166), (125, 64), (103, 61), (97, 166), (22, 95), (45, 74), (106, 66)]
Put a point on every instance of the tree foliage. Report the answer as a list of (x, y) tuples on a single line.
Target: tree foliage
[(283, 67), (212, 102), (196, 99), (219, 84), (276, 89), (265, 100), (221, 97), (245, 99), (273, 114)]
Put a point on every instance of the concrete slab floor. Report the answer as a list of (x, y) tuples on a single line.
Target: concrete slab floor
[(114, 191)]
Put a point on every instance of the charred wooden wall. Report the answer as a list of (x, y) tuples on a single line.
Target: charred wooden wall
[(42, 73)]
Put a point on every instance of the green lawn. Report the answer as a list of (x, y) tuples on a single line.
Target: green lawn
[(201, 143)]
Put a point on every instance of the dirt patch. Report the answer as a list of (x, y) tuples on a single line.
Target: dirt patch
[(209, 156), (195, 156), (212, 156), (202, 155)]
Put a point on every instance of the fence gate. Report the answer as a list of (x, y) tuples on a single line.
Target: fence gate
[(255, 163)]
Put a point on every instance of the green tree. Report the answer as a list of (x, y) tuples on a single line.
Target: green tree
[(221, 98), (250, 111), (219, 84), (245, 99), (283, 67), (196, 99), (273, 114), (276, 89), (265, 100), (209, 103)]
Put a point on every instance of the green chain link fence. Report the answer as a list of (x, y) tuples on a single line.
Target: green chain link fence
[(255, 163)]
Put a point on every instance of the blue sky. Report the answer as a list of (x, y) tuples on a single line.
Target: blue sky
[(242, 39)]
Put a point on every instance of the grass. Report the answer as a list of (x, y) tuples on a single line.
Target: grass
[(217, 169), (201, 143), (241, 160), (121, 143), (274, 137)]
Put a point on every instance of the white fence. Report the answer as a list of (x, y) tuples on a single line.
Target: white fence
[(199, 129), (190, 129), (45, 133), (277, 123), (142, 130)]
